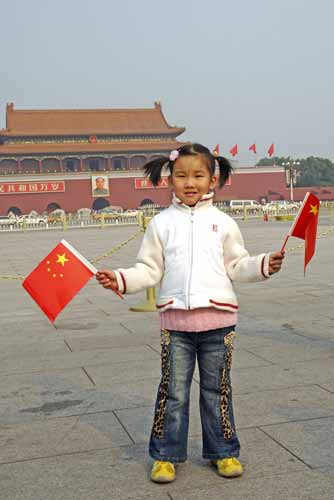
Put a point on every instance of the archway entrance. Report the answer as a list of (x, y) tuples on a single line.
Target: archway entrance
[(146, 201), (52, 206), (14, 211), (100, 203)]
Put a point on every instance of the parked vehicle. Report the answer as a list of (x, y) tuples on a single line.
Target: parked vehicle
[(108, 214), (130, 213), (57, 216), (84, 213), (240, 205), (280, 206), (6, 221), (31, 220)]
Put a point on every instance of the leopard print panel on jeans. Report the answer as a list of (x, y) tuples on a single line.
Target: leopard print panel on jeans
[(225, 388), (160, 411)]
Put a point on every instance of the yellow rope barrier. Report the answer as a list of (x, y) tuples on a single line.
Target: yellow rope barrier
[(320, 236), (94, 261), (8, 277), (134, 236), (116, 248)]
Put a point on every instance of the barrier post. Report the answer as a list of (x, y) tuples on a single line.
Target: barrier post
[(140, 219), (64, 221), (148, 305)]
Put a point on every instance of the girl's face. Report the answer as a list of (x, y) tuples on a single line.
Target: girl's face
[(191, 179)]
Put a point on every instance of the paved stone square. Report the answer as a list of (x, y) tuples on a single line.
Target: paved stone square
[(77, 398)]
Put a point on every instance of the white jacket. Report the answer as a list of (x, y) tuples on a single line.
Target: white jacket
[(194, 253)]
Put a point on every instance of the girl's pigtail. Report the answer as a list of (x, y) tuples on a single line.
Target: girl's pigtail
[(225, 169), (154, 168)]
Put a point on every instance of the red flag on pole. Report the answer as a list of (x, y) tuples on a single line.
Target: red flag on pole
[(216, 150), (305, 226), (234, 150), (252, 147), (58, 278), (271, 150)]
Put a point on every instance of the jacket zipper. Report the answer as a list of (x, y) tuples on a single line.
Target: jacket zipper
[(191, 254)]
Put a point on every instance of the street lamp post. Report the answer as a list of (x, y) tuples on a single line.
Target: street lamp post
[(291, 174)]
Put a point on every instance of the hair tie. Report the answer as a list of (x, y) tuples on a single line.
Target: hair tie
[(173, 155)]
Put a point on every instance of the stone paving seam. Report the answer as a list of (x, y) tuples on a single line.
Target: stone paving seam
[(98, 412), (277, 389), (312, 359), (88, 376), (324, 388), (243, 481), (123, 427), (286, 449), (64, 454), (128, 329), (74, 366), (153, 349), (67, 345), (292, 421), (259, 357)]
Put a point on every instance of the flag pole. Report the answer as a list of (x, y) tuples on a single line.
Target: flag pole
[(295, 221), (285, 242)]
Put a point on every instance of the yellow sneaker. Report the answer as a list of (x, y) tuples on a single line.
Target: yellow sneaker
[(162, 472), (228, 467)]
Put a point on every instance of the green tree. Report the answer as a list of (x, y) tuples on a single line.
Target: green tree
[(311, 171)]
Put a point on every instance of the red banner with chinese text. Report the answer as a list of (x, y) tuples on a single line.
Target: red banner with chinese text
[(144, 183), (32, 187)]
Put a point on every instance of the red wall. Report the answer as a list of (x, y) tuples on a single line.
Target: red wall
[(322, 192), (255, 185)]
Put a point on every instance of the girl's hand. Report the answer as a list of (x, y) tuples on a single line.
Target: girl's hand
[(275, 262), (107, 279)]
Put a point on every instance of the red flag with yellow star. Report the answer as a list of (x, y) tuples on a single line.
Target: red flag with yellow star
[(305, 225), (58, 278)]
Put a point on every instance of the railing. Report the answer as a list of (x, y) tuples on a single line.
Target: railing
[(108, 220), (69, 222)]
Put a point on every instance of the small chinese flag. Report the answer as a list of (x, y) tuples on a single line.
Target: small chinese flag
[(58, 278), (216, 150), (234, 150), (305, 226), (271, 150), (252, 147)]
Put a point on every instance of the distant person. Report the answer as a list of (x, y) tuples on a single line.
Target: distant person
[(100, 189), (195, 252)]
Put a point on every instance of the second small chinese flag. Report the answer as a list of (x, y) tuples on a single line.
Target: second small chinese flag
[(305, 225), (58, 278)]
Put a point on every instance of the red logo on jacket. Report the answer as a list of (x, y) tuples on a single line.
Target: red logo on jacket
[(214, 227)]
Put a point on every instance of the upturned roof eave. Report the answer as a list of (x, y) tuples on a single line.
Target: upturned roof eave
[(176, 131), (88, 148)]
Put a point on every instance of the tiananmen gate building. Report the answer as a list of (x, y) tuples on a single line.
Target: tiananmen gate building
[(92, 158)]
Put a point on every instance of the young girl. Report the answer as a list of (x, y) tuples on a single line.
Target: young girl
[(195, 252)]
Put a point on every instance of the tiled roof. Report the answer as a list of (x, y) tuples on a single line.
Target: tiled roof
[(87, 122), (8, 150)]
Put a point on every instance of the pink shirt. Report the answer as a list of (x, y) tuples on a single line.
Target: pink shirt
[(197, 320)]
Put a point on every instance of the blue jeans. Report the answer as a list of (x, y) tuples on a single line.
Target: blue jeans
[(179, 351)]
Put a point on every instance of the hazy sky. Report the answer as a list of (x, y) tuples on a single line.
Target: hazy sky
[(230, 71)]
